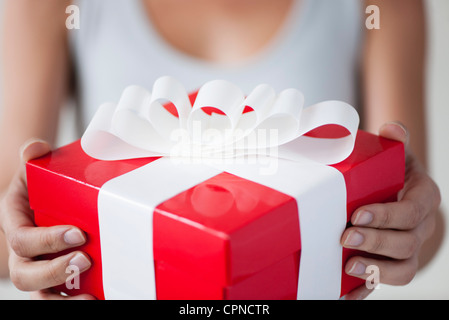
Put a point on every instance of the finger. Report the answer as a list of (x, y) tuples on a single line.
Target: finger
[(29, 275), (402, 215), (392, 272), (395, 131), (34, 241), (359, 293), (420, 198), (34, 148), (15, 210), (49, 294), (389, 243), (15, 207)]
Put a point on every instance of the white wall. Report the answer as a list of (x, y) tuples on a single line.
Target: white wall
[(433, 281)]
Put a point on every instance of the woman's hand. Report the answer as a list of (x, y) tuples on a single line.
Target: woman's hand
[(395, 230), (26, 241)]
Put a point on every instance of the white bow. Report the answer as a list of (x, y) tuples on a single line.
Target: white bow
[(141, 125)]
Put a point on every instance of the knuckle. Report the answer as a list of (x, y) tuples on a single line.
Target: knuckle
[(408, 272), (411, 246), (16, 243), (415, 215), (53, 274), (377, 244), (385, 218), (49, 242), (16, 278)]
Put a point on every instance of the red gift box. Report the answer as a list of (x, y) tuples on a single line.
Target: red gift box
[(225, 238)]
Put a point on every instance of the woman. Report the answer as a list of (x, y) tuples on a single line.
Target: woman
[(314, 45)]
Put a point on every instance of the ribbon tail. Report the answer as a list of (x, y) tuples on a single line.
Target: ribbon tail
[(322, 223)]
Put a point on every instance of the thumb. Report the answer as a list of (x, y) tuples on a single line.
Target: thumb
[(395, 131), (17, 192), (34, 148)]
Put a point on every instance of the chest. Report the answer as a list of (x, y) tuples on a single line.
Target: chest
[(221, 30), (306, 54)]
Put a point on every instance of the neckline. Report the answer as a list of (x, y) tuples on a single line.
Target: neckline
[(289, 28)]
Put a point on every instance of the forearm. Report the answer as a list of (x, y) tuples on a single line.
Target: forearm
[(394, 90), (35, 72), (34, 76), (394, 71)]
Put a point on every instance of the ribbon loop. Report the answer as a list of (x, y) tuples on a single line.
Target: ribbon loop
[(131, 121), (260, 100), (284, 117), (216, 129), (167, 89), (141, 121)]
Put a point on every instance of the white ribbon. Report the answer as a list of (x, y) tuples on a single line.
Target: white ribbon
[(125, 215), (140, 126)]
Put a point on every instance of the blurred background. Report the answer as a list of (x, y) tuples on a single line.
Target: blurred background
[(433, 281)]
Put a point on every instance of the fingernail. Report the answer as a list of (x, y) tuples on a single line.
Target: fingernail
[(74, 237), (363, 218), (354, 239), (80, 261), (400, 125), (357, 269)]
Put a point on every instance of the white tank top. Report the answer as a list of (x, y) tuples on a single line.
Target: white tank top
[(316, 51)]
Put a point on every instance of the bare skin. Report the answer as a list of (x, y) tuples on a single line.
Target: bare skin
[(38, 59)]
